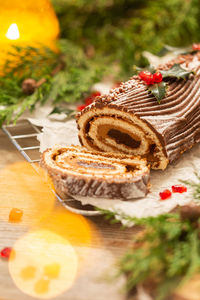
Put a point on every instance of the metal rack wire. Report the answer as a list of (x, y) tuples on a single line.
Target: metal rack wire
[(28, 145), (16, 137)]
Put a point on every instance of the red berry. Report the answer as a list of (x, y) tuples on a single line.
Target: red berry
[(143, 74), (95, 94), (196, 47), (147, 77), (179, 188), (157, 77), (149, 80), (5, 253), (88, 100), (165, 194), (91, 98), (81, 107)]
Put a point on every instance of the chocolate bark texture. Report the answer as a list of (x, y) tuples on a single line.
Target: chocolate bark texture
[(77, 172), (129, 119)]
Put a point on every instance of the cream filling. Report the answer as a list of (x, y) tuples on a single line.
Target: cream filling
[(150, 146), (74, 161), (99, 132), (83, 164)]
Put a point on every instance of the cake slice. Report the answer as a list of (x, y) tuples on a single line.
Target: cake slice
[(129, 119), (77, 172)]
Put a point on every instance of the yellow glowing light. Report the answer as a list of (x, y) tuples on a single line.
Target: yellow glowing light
[(13, 32), (75, 228), (22, 187), (45, 264), (28, 273), (42, 286), (52, 270), (26, 23)]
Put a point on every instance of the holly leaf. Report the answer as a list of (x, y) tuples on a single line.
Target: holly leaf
[(176, 71), (158, 90)]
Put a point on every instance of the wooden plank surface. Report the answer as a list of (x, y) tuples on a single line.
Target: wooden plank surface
[(98, 257)]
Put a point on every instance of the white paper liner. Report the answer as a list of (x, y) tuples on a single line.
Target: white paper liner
[(57, 131), (55, 128), (62, 134), (151, 205)]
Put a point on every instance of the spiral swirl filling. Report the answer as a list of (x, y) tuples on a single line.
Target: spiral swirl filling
[(110, 130), (75, 160)]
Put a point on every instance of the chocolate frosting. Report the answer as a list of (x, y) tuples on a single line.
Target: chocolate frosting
[(175, 121)]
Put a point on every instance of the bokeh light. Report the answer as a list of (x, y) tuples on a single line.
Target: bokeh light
[(44, 265), (23, 188), (79, 231), (47, 260)]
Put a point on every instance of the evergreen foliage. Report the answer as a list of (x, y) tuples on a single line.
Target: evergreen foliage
[(166, 253), (98, 38), (122, 29)]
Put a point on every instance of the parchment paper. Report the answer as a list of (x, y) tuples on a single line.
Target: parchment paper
[(65, 133)]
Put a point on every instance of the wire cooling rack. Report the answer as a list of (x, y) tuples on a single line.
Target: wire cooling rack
[(22, 141), (23, 135)]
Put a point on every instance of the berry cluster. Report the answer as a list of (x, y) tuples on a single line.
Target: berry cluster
[(150, 78), (175, 189)]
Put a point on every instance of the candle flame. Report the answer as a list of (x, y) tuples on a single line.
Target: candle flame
[(13, 32)]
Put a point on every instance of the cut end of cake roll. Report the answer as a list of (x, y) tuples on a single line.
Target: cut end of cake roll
[(111, 126), (129, 119), (77, 172)]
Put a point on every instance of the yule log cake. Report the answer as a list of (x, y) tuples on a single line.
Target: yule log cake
[(130, 120), (77, 172)]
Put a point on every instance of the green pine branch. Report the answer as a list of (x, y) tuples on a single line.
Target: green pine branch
[(70, 84), (166, 252)]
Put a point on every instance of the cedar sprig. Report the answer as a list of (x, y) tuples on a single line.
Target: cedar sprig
[(15, 107), (166, 252), (70, 84)]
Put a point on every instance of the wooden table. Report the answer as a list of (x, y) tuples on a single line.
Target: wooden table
[(91, 282)]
